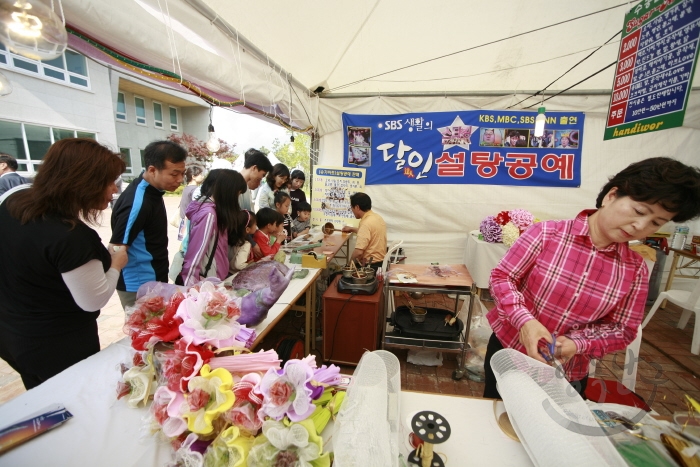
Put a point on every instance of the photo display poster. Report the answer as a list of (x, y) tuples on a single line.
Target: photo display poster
[(655, 67), (485, 147), (330, 197)]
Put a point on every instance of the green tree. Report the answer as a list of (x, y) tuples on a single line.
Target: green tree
[(294, 155)]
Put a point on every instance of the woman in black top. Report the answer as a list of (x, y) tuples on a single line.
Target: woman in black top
[(55, 273)]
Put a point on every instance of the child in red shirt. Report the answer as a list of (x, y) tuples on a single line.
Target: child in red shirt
[(269, 235)]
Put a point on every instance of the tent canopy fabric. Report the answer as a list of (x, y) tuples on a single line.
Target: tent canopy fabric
[(366, 46), (400, 56)]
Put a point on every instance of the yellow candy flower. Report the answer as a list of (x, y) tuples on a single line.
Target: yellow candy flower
[(209, 396)]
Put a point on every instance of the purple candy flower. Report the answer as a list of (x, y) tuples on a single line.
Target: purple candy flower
[(490, 229)]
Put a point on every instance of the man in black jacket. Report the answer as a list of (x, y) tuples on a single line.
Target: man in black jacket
[(9, 178)]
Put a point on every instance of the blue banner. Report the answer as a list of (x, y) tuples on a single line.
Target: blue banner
[(495, 147)]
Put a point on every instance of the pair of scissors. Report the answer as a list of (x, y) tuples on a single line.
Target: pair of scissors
[(550, 358), (550, 348)]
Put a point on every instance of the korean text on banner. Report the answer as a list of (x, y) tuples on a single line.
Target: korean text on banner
[(484, 147), (330, 198), (655, 67)]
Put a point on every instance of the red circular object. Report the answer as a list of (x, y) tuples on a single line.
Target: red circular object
[(414, 440)]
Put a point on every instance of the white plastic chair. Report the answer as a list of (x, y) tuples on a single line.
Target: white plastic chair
[(690, 302), (385, 264), (629, 372)]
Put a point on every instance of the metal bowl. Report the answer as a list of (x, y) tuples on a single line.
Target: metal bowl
[(347, 273), (418, 314), (359, 278), (369, 272), (416, 295)]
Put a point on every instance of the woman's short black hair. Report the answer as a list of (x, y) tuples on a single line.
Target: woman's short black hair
[(668, 182), (297, 174), (277, 170)]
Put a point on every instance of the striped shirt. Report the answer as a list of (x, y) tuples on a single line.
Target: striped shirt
[(555, 275)]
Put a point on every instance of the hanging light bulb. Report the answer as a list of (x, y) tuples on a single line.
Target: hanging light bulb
[(539, 122), (5, 86), (213, 144), (292, 149), (32, 29)]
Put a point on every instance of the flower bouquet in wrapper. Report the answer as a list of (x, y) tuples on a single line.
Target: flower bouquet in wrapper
[(216, 402), (506, 226)]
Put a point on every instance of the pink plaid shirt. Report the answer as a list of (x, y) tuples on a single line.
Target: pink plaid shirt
[(555, 275)]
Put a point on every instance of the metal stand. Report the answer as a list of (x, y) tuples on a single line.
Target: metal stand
[(460, 346)]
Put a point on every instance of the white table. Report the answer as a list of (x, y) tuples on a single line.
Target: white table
[(105, 432), (481, 257), (294, 291)]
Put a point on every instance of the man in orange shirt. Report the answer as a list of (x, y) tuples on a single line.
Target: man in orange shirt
[(370, 247)]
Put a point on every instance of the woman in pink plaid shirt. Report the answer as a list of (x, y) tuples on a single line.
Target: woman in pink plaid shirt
[(578, 280)]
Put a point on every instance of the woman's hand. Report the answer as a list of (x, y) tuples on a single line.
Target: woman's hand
[(119, 256), (565, 349), (530, 335)]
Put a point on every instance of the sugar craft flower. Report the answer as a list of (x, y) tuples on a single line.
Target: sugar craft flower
[(229, 449), (281, 446), (244, 412), (510, 234), (506, 226), (521, 218), (209, 316), (490, 229), (183, 363), (209, 396), (285, 391), (166, 409), (153, 320), (140, 381)]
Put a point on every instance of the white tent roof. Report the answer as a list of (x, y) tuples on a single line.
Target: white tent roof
[(254, 49)]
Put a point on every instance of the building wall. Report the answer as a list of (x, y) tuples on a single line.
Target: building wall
[(45, 102), (192, 113)]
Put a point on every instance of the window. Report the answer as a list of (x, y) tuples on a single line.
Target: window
[(12, 140), (121, 107), (70, 68), (59, 134), (158, 115), (140, 110), (126, 157), (38, 142), (173, 119), (143, 161), (29, 143)]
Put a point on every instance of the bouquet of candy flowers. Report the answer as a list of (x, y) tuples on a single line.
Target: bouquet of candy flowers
[(506, 226), (216, 402)]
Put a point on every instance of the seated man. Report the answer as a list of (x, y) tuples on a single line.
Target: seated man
[(370, 247)]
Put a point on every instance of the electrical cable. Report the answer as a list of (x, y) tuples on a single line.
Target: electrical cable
[(567, 71), (576, 84), (479, 46), (489, 72), (335, 328)]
